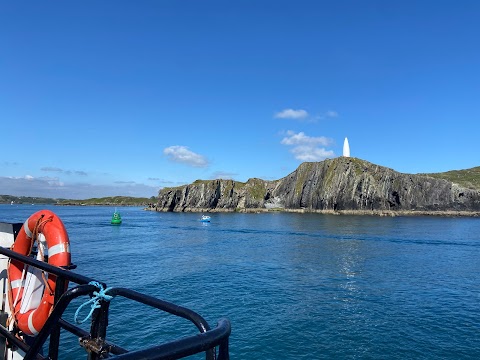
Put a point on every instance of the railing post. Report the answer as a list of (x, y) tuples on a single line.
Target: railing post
[(98, 331), (210, 354), (223, 352), (60, 287)]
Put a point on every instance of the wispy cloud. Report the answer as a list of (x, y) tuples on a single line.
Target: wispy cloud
[(54, 188), (223, 175), (331, 114), (51, 169), (9, 163), (304, 116), (307, 148), (292, 114), (181, 154), (162, 181), (76, 172), (66, 172)]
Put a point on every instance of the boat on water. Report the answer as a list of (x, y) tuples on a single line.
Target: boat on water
[(205, 218), (35, 267), (116, 218)]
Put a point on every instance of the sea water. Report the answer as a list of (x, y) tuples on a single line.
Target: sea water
[(294, 286)]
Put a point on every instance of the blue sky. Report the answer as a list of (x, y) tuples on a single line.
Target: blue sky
[(103, 98)]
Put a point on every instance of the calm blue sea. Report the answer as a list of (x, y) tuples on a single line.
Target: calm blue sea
[(295, 286)]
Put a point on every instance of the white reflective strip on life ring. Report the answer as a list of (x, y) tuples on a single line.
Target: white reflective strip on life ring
[(30, 324), (58, 249), (16, 283), (27, 229)]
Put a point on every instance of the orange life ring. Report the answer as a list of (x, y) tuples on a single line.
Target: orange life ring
[(49, 225)]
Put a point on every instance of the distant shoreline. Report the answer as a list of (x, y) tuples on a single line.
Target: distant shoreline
[(82, 204), (104, 201), (74, 204)]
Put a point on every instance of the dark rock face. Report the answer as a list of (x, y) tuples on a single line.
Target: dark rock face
[(214, 195), (334, 184)]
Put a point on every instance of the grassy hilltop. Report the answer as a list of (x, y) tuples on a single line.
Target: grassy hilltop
[(469, 178)]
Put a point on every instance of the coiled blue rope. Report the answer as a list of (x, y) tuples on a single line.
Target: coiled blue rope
[(95, 301)]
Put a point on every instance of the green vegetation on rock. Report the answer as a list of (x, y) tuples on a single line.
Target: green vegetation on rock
[(302, 172), (256, 188), (469, 178), (7, 199)]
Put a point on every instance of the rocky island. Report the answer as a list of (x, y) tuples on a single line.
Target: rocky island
[(339, 185)]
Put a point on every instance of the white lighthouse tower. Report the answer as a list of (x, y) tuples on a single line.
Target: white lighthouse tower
[(346, 148)]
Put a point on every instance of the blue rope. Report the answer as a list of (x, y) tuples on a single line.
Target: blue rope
[(95, 301)]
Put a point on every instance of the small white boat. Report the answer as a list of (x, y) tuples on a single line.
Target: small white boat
[(205, 218)]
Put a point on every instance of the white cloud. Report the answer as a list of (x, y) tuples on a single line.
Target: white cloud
[(181, 154), (292, 114), (303, 115), (310, 153), (300, 138), (307, 148)]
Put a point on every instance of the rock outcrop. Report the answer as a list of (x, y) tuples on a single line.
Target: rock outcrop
[(340, 184)]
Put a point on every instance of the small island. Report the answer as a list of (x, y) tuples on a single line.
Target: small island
[(344, 185)]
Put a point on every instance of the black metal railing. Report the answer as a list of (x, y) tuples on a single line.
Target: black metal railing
[(207, 340)]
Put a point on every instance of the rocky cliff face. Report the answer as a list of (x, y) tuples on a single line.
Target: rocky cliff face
[(334, 184)]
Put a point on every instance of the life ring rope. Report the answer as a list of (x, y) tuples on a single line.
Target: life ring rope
[(33, 236), (15, 285)]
